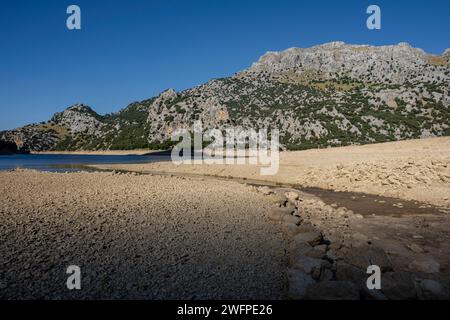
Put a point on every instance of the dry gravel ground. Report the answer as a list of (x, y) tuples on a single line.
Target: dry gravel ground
[(136, 237), (384, 204), (413, 170), (146, 236)]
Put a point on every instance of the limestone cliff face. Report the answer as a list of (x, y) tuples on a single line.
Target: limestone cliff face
[(328, 95), (79, 119), (394, 64)]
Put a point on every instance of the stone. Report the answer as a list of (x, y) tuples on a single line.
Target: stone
[(318, 252), (277, 214), (278, 199), (292, 196), (398, 286), (415, 248), (332, 290), (425, 266), (326, 275), (304, 249), (431, 290), (330, 256), (313, 237), (291, 219), (359, 239), (298, 283), (290, 206), (298, 249), (364, 256), (349, 273), (290, 229), (307, 264), (322, 248), (307, 227), (265, 190), (3, 285)]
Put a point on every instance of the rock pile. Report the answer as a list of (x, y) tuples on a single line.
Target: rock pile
[(327, 259)]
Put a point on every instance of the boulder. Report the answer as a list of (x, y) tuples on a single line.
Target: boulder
[(291, 219), (298, 249), (425, 266), (277, 214), (349, 273), (359, 240), (415, 248), (364, 256), (292, 196), (305, 249), (326, 275), (277, 199), (298, 283), (312, 237), (431, 290), (307, 264), (265, 190), (322, 249), (398, 286), (290, 229)]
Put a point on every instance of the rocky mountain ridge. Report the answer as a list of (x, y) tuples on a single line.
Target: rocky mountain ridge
[(327, 95)]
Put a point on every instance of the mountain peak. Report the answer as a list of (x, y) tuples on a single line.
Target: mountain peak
[(332, 44), (79, 118), (168, 93), (79, 107)]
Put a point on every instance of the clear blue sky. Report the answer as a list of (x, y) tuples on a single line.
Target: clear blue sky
[(131, 50)]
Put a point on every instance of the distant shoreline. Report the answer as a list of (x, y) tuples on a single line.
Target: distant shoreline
[(137, 152)]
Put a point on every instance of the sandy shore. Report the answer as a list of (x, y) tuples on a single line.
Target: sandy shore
[(414, 170), (146, 237)]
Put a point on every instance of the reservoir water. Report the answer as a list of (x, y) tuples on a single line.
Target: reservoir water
[(66, 162)]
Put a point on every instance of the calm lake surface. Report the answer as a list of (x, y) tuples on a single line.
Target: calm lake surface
[(65, 162)]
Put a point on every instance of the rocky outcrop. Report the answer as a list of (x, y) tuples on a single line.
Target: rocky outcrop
[(330, 248), (79, 119)]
